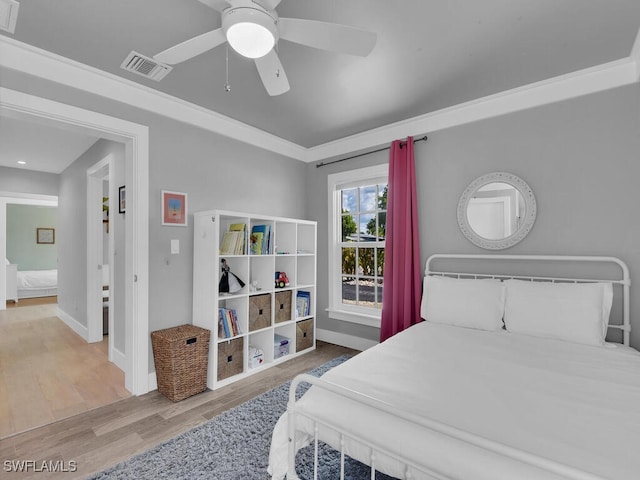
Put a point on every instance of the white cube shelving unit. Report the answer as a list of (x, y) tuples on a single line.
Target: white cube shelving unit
[(263, 315)]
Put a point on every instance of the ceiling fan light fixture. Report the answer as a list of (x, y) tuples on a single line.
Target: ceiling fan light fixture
[(250, 32)]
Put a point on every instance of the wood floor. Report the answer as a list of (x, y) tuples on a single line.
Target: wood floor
[(107, 435), (47, 371)]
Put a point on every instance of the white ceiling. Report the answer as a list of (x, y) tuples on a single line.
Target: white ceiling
[(430, 54), (42, 147)]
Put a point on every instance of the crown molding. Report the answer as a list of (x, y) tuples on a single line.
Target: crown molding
[(35, 61), (41, 63), (564, 87)]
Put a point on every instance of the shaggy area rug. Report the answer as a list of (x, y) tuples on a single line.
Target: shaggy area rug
[(234, 445)]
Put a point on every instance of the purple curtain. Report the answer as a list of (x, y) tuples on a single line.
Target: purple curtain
[(402, 272)]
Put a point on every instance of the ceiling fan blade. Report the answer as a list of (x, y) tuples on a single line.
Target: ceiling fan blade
[(272, 74), (218, 5), (191, 48), (268, 4), (327, 36)]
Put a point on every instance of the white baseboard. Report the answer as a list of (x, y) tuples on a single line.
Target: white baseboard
[(119, 359), (73, 324), (153, 381), (350, 341)]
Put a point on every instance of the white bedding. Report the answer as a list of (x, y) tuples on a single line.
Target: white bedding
[(575, 404), (37, 279)]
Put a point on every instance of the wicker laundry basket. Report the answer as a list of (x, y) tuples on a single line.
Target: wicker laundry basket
[(181, 356)]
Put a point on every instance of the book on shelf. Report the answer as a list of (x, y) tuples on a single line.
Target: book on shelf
[(264, 248), (303, 303), (233, 242), (256, 243), (228, 325)]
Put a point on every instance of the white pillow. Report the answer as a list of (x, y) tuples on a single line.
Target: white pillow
[(575, 312), (463, 302)]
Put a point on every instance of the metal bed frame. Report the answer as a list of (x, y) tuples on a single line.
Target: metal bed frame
[(410, 466)]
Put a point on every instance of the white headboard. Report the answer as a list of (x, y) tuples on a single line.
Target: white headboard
[(501, 263)]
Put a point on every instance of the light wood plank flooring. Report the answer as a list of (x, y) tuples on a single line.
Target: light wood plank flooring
[(107, 435), (47, 371)]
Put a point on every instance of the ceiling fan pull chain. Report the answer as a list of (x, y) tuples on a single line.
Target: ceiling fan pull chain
[(227, 85)]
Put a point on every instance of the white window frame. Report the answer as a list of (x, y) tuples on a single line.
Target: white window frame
[(337, 182)]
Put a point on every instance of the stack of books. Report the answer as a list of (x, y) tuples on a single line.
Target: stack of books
[(234, 241), (303, 303), (260, 240), (228, 325)]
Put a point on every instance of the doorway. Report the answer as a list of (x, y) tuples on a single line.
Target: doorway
[(101, 271), (135, 137)]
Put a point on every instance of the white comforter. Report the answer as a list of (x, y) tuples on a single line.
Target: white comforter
[(574, 404), (37, 279)]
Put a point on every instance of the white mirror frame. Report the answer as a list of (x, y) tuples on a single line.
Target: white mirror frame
[(527, 222)]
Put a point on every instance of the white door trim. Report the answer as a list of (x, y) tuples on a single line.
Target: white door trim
[(95, 178), (136, 140), (21, 199)]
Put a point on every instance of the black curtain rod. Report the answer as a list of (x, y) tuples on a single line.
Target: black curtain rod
[(323, 164)]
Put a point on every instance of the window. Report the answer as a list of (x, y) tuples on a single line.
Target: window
[(357, 226)]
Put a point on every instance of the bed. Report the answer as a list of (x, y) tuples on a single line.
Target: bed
[(37, 283), (461, 396)]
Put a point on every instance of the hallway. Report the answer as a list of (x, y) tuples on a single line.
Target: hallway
[(47, 371)]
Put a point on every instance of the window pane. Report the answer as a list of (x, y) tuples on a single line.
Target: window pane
[(349, 228), (382, 225), (379, 293), (367, 228), (350, 200), (366, 292), (382, 196), (349, 261), (366, 261), (368, 198), (349, 290), (380, 262)]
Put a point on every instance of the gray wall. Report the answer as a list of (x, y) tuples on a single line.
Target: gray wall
[(27, 181), (580, 157), (22, 247)]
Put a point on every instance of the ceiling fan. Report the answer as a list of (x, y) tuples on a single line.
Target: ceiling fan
[(253, 28)]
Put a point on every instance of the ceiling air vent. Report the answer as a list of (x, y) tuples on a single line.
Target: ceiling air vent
[(145, 66), (8, 15)]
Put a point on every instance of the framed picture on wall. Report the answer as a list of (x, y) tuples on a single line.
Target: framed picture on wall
[(46, 235), (121, 199), (174, 208)]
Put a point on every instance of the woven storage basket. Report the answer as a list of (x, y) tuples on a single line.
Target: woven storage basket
[(230, 358), (259, 312), (304, 334), (283, 306), (181, 355)]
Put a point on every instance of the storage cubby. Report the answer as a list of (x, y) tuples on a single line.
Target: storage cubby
[(285, 241), (287, 264), (260, 308), (306, 271), (304, 334), (262, 272), (265, 315), (283, 306)]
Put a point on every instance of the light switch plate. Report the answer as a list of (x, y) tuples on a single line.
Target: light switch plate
[(175, 247)]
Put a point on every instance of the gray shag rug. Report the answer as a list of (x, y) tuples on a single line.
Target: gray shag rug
[(235, 445)]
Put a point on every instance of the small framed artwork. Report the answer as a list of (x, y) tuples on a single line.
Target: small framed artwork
[(46, 235), (174, 208), (121, 199)]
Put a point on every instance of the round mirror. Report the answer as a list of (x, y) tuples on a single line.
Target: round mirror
[(496, 210)]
